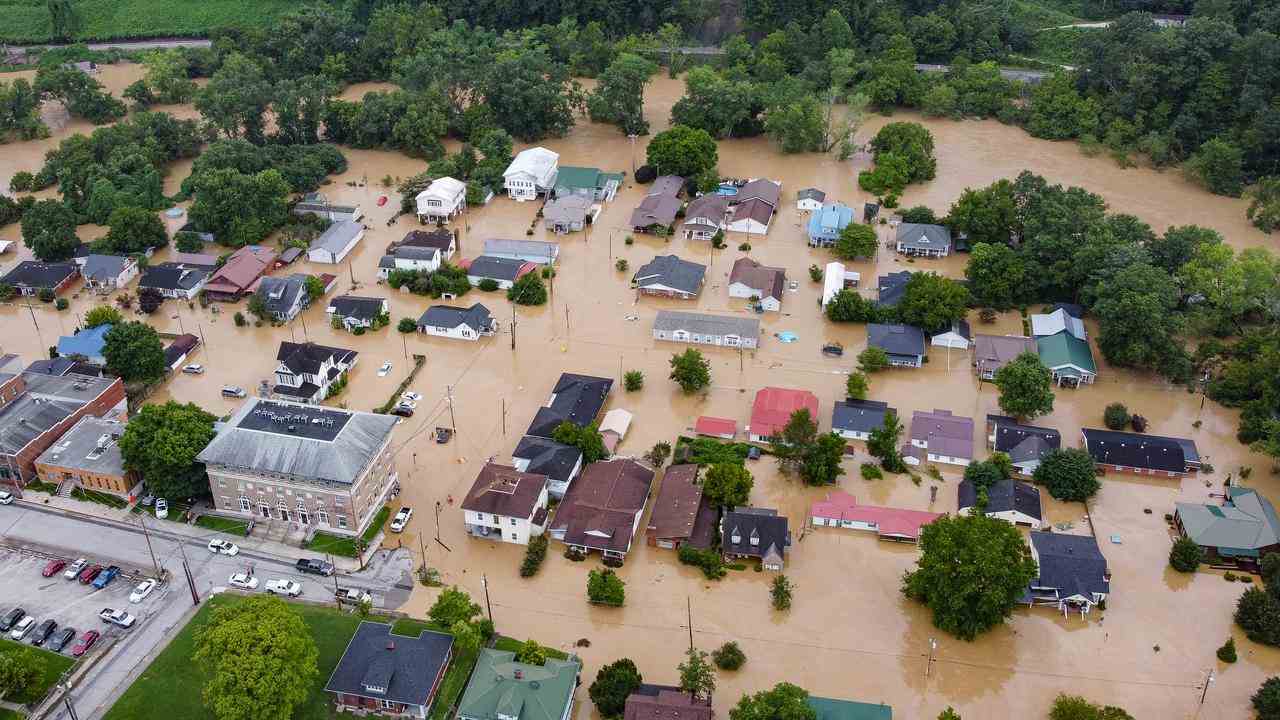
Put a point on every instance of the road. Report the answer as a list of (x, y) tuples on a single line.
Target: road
[(158, 43), (53, 531), (1027, 76)]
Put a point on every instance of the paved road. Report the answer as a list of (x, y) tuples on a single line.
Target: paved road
[(29, 525), (130, 44), (1027, 76)]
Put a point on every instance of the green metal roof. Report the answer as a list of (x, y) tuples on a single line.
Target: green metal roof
[(501, 686), (831, 709), (1063, 350), (584, 178)]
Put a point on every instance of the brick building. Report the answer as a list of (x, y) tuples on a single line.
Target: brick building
[(88, 455)]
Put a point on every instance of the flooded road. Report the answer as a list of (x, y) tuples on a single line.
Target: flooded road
[(850, 633)]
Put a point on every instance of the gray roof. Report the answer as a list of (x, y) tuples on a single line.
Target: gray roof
[(655, 209), (532, 248), (1004, 496), (896, 339), (405, 667), (476, 317), (891, 288), (568, 208), (1246, 521), (48, 400), (575, 398), (1138, 450), (858, 415), (280, 295), (415, 252), (811, 194), (90, 445), (496, 268), (766, 525), (945, 434), (1023, 443), (671, 271), (172, 276), (547, 457), (711, 206), (250, 440), (1071, 564), (338, 236), (703, 324), (923, 237), (103, 267), (766, 190), (361, 308), (35, 274)]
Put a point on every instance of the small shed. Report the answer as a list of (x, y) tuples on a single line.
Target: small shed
[(722, 428)]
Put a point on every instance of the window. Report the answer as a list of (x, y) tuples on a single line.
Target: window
[(323, 517), (244, 504), (515, 537), (513, 522), (387, 704), (342, 521)]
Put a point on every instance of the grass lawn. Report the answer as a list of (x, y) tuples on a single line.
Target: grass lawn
[(101, 498), (454, 682), (28, 20), (343, 546), (223, 525), (54, 666), (7, 714), (502, 642)]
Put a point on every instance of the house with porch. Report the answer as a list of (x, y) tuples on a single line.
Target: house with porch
[(703, 329), (826, 223), (921, 240), (531, 173), (841, 510), (992, 352), (353, 311), (755, 533), (1141, 454), (601, 510), (458, 323), (284, 297), (29, 277), (1072, 575), (1061, 319), (670, 276), (107, 273), (939, 437), (501, 270), (588, 182), (506, 505), (1069, 359), (1026, 445), (382, 673), (705, 216), (239, 274), (305, 372), (317, 204), (772, 410), (810, 199), (1243, 529), (442, 239), (749, 279), (1014, 502), (754, 206), (410, 257), (655, 214), (681, 515), (904, 344), (534, 251), (174, 280), (567, 214), (857, 419), (441, 201)]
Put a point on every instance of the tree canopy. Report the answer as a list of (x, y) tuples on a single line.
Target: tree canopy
[(683, 151), (1026, 387), (161, 443), (690, 370), (134, 352), (783, 701), (1068, 473), (727, 485), (613, 684)]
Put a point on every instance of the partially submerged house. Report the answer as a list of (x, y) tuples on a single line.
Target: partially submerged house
[(239, 273), (715, 427), (826, 223), (939, 437), (750, 280), (503, 271), (567, 214), (1026, 445), (506, 504), (502, 689), (754, 206), (856, 419), (840, 509), (1141, 454), (705, 216), (1069, 359), (107, 273), (921, 240), (670, 276), (177, 352), (305, 372), (755, 533), (587, 182), (772, 410), (1243, 529), (1072, 572), (353, 311), (283, 298), (656, 213), (458, 323), (440, 238), (1014, 502), (1059, 320), (614, 427), (410, 257), (992, 352), (810, 199), (904, 344), (443, 199), (531, 173), (835, 709), (601, 510), (29, 277), (575, 398), (665, 702), (316, 204), (174, 280), (836, 278), (534, 251), (335, 243), (957, 337), (681, 515), (891, 287), (560, 463)]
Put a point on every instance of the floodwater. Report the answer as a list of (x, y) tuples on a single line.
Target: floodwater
[(850, 633)]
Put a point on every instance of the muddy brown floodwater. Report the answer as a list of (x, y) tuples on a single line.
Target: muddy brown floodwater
[(850, 634)]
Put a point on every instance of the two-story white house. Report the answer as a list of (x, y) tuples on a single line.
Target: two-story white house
[(532, 173), (306, 372), (409, 257), (443, 199), (457, 323), (506, 505)]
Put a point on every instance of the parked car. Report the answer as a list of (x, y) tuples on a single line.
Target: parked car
[(353, 595), (314, 567), (86, 641), (23, 627), (148, 500), (106, 576), (223, 547), (193, 369), (141, 592), (443, 434), (281, 586), (53, 567), (753, 453), (117, 617), (60, 640), (42, 633), (402, 411), (73, 572), (90, 574), (401, 519), (407, 404), (11, 618), (410, 396), (384, 369), (232, 391), (243, 581), (6, 497), (162, 508)]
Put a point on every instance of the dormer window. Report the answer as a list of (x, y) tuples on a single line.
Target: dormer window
[(374, 689)]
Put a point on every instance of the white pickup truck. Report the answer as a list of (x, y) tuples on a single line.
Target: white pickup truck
[(283, 587), (353, 595)]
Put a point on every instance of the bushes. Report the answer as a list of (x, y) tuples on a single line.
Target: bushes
[(871, 472), (729, 656), (780, 593), (407, 325), (1116, 416), (488, 285), (633, 380), (709, 561), (1185, 556), (534, 554), (1227, 653), (604, 587)]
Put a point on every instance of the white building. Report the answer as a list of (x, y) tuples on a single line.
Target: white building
[(442, 200), (957, 337), (335, 243), (409, 257), (506, 505), (457, 323), (531, 173), (835, 278)]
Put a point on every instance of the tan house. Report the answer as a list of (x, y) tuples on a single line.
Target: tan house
[(89, 456), (992, 352)]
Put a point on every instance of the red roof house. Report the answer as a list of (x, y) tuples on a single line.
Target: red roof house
[(240, 273), (722, 428), (773, 408), (840, 509)]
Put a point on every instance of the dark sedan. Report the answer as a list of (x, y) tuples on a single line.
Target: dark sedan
[(61, 638), (11, 618), (43, 631)]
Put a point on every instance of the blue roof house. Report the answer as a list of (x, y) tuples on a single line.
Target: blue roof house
[(825, 224), (88, 342)]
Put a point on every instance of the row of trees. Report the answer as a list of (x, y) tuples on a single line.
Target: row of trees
[(930, 302)]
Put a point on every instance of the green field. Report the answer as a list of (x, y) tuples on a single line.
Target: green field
[(28, 20), (502, 642), (54, 666), (223, 525)]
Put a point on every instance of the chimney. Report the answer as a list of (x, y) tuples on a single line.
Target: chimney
[(391, 644)]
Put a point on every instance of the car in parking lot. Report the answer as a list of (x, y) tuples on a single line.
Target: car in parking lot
[(61, 638), (90, 574), (193, 369), (314, 567), (23, 627), (11, 618), (43, 631), (243, 581), (281, 586), (76, 568), (52, 567), (117, 617), (401, 519), (141, 592), (6, 497), (105, 577), (162, 508), (85, 642), (223, 547)]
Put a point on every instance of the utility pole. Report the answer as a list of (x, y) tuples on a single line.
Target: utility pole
[(147, 536), (39, 335), (1207, 682), (928, 668), (504, 417), (453, 424), (423, 549), (484, 580), (513, 326), (191, 580), (566, 321), (632, 138), (71, 709), (302, 317), (405, 343), (688, 604)]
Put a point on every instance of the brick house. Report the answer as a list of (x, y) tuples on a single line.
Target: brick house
[(382, 673), (88, 455)]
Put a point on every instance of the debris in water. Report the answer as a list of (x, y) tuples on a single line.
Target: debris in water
[(786, 336), (582, 642)]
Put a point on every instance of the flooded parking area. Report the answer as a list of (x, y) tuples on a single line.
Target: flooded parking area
[(850, 632)]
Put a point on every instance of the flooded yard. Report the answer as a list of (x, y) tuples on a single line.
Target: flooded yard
[(850, 633)]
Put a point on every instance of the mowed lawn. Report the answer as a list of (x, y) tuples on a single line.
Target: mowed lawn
[(28, 20), (54, 666)]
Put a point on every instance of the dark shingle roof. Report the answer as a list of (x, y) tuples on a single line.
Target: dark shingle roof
[(921, 236), (34, 274), (172, 276), (858, 415), (891, 288), (407, 667), (1135, 450), (1004, 496), (497, 268), (680, 512), (361, 308), (1072, 564), (1023, 442), (576, 398), (547, 457), (671, 271), (308, 357), (476, 317), (896, 339), (600, 509), (503, 490), (763, 523)]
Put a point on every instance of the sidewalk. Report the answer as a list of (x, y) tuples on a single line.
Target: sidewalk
[(125, 519)]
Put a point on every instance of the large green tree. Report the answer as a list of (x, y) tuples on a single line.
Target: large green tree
[(20, 668), (690, 370), (1138, 325), (721, 106), (49, 229), (236, 99), (883, 443), (697, 677), (727, 485), (997, 275), (790, 445), (856, 241), (986, 215), (783, 701), (910, 141), (820, 461), (1069, 474), (972, 570), (619, 97), (134, 352), (239, 209), (682, 151), (587, 439), (453, 605), (1026, 387), (612, 685), (132, 230), (259, 658), (161, 443), (932, 302)]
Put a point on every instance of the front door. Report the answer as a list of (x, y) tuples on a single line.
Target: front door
[(264, 509), (284, 515), (304, 518)]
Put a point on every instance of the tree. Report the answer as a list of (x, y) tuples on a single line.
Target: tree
[(238, 208), (149, 300), (721, 106), (134, 352), (1026, 387), (1264, 204), (1227, 653), (873, 359), (531, 95), (729, 656), (83, 96), (998, 276), (796, 124), (167, 76), (102, 315), (619, 97), (949, 714), (849, 306), (1185, 556), (1258, 614), (453, 605), (259, 657), (528, 290), (658, 454), (783, 702), (1219, 166), (1069, 474), (633, 380), (820, 461), (796, 437), (682, 151), (133, 230), (257, 307), (727, 485), (932, 302), (1116, 416), (910, 141), (780, 593), (466, 638), (983, 474), (236, 99), (19, 668), (49, 229), (1179, 244), (883, 443), (856, 241), (1138, 324), (613, 684), (971, 571), (1266, 701), (64, 19), (1074, 707), (690, 371), (988, 215), (161, 443), (587, 439), (696, 676), (531, 653), (604, 587), (856, 386)]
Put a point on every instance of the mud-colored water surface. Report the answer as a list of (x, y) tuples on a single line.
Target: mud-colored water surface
[(850, 633)]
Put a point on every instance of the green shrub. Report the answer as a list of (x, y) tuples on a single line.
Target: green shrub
[(633, 380), (871, 472), (534, 554), (1185, 556), (1116, 416), (407, 325), (1227, 653), (709, 561), (61, 304), (729, 656), (488, 285), (45, 295)]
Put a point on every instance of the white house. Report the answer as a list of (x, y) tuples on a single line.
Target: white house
[(410, 257), (457, 323), (354, 312), (335, 243), (443, 199), (105, 273), (305, 371), (810, 200), (750, 279), (531, 173), (754, 206), (506, 504), (956, 338), (534, 251), (835, 278)]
